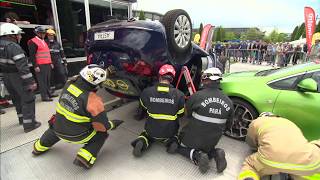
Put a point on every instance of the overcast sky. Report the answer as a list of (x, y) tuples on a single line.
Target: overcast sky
[(265, 14)]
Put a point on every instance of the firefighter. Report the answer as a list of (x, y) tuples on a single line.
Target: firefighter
[(163, 104), (58, 59), (40, 57), (80, 118), (208, 112), (17, 77), (281, 148)]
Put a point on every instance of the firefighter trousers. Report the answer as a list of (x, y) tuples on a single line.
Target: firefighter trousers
[(22, 98), (44, 78), (148, 140), (254, 167), (91, 147)]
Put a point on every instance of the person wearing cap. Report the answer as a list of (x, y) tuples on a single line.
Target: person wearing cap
[(17, 77), (39, 55), (58, 59), (164, 105), (208, 111), (80, 118), (280, 148)]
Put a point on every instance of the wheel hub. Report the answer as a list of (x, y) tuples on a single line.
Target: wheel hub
[(182, 31)]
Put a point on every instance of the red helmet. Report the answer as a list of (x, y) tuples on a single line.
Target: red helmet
[(167, 69)]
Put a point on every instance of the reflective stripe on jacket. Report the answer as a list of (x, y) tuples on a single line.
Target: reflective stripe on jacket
[(43, 53)]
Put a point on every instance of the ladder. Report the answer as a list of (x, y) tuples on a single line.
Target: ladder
[(186, 73)]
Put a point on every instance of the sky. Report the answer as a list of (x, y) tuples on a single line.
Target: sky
[(267, 15)]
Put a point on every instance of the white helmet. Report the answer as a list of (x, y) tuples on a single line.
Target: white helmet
[(9, 29), (212, 73), (93, 74), (266, 114)]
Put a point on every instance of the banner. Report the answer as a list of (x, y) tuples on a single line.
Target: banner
[(310, 23), (206, 36)]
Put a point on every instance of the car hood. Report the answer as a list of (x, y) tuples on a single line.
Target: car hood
[(240, 74), (246, 76)]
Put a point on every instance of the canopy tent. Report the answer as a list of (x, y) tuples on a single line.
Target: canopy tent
[(300, 42)]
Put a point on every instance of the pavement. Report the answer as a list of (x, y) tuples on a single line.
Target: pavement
[(115, 160)]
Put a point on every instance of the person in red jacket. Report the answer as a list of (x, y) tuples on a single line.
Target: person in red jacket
[(40, 57)]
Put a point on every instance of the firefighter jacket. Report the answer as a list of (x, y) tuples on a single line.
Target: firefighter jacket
[(39, 51), (13, 60), (208, 111), (78, 108), (164, 104), (57, 53), (281, 148)]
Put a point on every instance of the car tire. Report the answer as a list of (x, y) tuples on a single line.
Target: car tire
[(178, 28), (244, 113)]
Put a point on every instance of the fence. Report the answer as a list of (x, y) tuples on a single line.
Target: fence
[(258, 56)]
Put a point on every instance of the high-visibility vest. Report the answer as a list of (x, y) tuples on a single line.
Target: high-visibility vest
[(43, 52)]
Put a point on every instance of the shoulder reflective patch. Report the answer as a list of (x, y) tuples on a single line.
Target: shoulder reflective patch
[(162, 89), (74, 90)]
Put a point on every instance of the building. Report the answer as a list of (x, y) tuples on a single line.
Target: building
[(70, 18)]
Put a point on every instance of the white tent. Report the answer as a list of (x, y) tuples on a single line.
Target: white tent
[(300, 42)]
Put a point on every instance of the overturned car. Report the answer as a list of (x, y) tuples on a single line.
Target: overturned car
[(134, 50)]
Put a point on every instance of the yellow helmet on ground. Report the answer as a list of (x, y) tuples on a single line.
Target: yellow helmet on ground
[(51, 32)]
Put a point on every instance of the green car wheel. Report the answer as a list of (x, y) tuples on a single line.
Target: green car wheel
[(244, 113)]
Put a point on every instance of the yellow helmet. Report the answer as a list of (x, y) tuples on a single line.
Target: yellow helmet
[(51, 32), (315, 37)]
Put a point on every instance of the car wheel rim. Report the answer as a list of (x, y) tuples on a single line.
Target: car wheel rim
[(182, 31), (242, 118)]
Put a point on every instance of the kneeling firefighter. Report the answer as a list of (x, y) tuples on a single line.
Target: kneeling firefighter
[(80, 118), (281, 148), (164, 104), (208, 112)]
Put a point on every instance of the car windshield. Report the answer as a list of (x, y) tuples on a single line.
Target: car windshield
[(282, 70)]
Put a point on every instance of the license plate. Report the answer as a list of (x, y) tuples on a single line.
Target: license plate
[(109, 35)]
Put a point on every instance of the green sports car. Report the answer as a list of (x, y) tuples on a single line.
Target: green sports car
[(292, 93)]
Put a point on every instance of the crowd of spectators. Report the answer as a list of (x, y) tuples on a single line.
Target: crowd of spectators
[(257, 52)]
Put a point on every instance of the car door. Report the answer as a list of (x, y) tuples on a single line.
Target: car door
[(303, 108)]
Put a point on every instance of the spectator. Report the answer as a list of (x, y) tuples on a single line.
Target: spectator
[(296, 54)]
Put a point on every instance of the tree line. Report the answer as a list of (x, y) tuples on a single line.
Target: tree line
[(221, 34)]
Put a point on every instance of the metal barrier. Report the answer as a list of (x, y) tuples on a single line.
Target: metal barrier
[(260, 56)]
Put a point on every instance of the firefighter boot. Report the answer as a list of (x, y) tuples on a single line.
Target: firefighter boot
[(80, 161), (138, 148), (220, 157), (39, 149), (172, 145), (35, 126), (202, 160)]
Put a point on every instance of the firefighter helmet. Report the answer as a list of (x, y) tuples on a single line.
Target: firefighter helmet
[(9, 29), (167, 69), (93, 74), (212, 74), (39, 29), (266, 114), (51, 32)]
